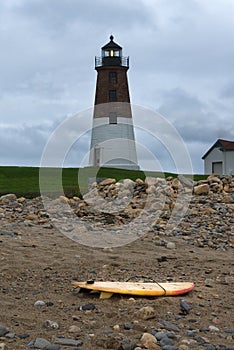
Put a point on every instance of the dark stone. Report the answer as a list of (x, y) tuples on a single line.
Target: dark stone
[(128, 344), (8, 233), (128, 326), (166, 341), (23, 336), (170, 327), (3, 331), (87, 307)]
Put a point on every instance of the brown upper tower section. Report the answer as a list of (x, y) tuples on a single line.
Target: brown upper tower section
[(112, 82)]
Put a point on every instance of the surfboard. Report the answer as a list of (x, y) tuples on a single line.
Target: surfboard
[(107, 289)]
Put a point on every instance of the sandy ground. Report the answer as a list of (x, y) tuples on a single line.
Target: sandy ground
[(40, 263)]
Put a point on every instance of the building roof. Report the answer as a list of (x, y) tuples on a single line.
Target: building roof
[(224, 145), (112, 44)]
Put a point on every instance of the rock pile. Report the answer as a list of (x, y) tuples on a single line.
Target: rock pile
[(201, 213)]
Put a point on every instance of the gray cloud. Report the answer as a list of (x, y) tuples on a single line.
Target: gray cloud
[(181, 57)]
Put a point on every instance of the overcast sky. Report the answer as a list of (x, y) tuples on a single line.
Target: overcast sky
[(181, 65)]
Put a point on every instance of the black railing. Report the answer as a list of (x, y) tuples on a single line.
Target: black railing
[(111, 61)]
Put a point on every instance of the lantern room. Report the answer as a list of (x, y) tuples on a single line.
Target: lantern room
[(111, 55)]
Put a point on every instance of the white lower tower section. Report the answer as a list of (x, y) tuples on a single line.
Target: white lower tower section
[(113, 142)]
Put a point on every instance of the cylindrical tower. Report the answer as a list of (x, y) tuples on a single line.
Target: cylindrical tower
[(112, 141)]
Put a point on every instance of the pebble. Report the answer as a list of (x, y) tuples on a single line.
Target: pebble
[(3, 331), (128, 344), (171, 245), (3, 346), (146, 313), (213, 329), (74, 329), (40, 303), (8, 233), (51, 324), (41, 343), (149, 341), (169, 326), (85, 307), (67, 341)]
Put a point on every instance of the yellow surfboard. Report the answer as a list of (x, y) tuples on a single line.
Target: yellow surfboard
[(107, 289)]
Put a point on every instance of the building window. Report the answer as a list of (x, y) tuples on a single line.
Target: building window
[(113, 77), (113, 118), (112, 96)]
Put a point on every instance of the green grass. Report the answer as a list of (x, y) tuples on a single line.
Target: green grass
[(24, 181)]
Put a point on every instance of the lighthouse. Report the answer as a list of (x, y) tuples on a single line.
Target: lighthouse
[(112, 139)]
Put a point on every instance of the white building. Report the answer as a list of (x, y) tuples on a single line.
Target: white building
[(219, 159)]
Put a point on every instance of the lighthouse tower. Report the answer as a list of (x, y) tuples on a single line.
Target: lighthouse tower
[(112, 141)]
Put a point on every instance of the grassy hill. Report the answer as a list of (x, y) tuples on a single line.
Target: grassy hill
[(24, 181)]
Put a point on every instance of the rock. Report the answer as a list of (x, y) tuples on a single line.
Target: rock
[(8, 233), (146, 313), (116, 328), (40, 303), (128, 326), (51, 324), (169, 326), (186, 181), (176, 184), (41, 343), (3, 346), (74, 329), (67, 341), (7, 198), (201, 189), (85, 307), (3, 331), (53, 347), (185, 307), (128, 344), (171, 245), (149, 342), (213, 329), (107, 182)]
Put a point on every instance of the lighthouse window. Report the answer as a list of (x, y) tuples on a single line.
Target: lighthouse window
[(113, 77), (113, 118), (112, 96)]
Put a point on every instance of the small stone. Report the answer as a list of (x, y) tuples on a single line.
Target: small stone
[(41, 343), (185, 307), (53, 347), (39, 303), (171, 245), (3, 346), (209, 282), (170, 327), (116, 328), (166, 341), (128, 344), (51, 324), (128, 326), (11, 335), (8, 233), (5, 199), (107, 182), (87, 307), (67, 341), (3, 331), (74, 329), (146, 313), (160, 335), (201, 189), (22, 336), (213, 329), (149, 341)]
